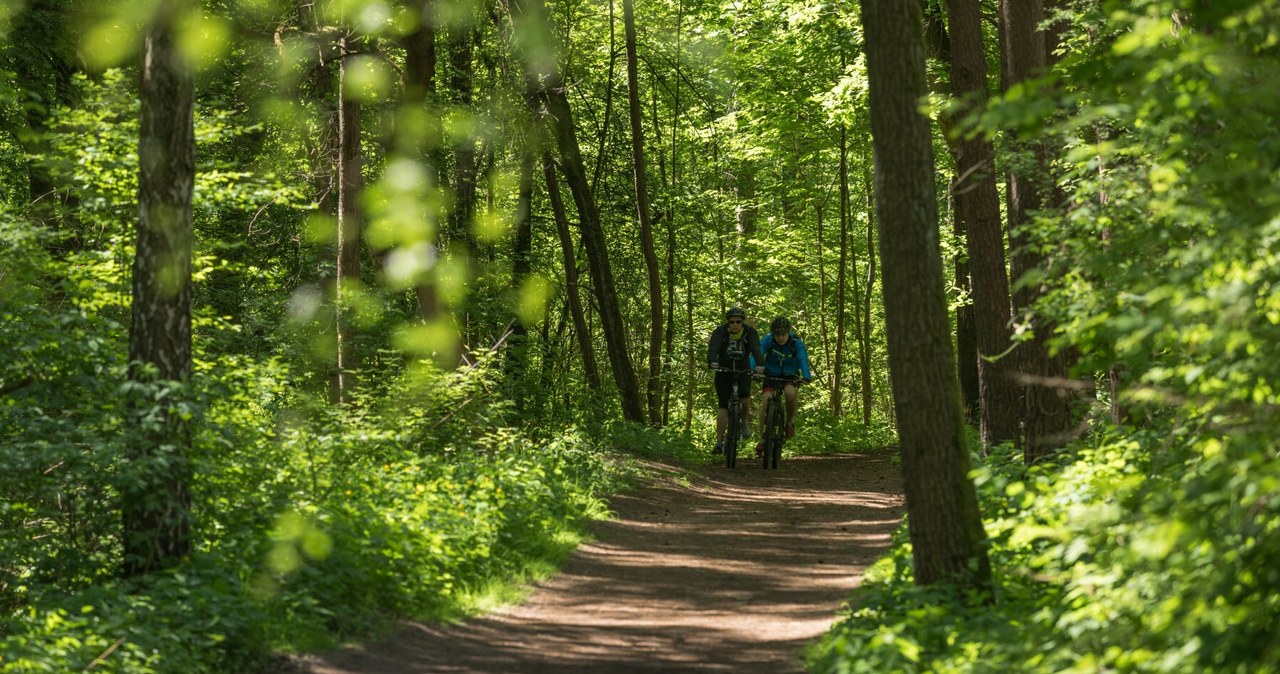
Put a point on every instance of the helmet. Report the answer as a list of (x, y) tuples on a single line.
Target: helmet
[(780, 325), (735, 311)]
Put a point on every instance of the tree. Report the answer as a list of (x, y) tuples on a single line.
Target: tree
[(978, 215), (534, 42), (944, 523), (350, 183), (155, 495), (1047, 398), (643, 214)]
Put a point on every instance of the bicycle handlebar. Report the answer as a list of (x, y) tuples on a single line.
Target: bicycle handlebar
[(794, 379)]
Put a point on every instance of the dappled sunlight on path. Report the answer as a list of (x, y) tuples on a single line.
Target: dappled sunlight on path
[(733, 573)]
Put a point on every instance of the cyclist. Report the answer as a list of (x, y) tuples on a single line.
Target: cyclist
[(733, 345), (784, 357)]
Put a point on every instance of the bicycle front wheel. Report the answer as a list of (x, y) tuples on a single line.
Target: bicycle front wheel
[(772, 433), (731, 438)]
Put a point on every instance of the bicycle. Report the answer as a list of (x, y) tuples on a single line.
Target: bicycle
[(733, 434), (775, 423)]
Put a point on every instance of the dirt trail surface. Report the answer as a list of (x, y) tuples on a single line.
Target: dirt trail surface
[(732, 571)]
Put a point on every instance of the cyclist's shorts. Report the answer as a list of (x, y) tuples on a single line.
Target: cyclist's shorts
[(771, 385), (724, 387)]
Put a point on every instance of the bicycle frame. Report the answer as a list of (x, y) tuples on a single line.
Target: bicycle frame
[(734, 426), (775, 423)]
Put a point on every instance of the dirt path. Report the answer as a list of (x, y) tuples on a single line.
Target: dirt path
[(735, 572)]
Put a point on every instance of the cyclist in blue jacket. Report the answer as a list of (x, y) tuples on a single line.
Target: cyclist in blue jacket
[(784, 357)]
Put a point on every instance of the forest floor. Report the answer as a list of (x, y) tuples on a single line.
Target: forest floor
[(718, 571)]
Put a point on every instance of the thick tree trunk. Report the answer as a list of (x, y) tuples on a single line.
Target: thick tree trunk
[(978, 210), (156, 501), (653, 382), (572, 295), (419, 98), (944, 523), (1048, 394), (349, 185)]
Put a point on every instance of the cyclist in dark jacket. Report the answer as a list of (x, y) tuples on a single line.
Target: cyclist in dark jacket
[(733, 345), (785, 357)]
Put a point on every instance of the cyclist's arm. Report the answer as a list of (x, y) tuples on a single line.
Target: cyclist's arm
[(802, 354), (714, 346), (757, 354)]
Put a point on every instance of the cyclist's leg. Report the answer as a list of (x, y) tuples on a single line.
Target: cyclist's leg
[(765, 394), (744, 399), (793, 403), (723, 391)]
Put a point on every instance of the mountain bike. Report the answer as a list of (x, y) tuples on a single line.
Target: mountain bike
[(734, 432), (775, 422)]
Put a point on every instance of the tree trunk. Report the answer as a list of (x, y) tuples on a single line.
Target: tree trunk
[(978, 211), (571, 290), (534, 43), (349, 186), (653, 383), (461, 229), (944, 523), (837, 379), (1047, 396), (156, 500), (517, 350), (864, 336), (419, 97)]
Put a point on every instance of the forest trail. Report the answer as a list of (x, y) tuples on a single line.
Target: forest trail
[(732, 571)]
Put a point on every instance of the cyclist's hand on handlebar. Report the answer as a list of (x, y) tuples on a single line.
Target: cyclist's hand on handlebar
[(713, 366), (759, 369)]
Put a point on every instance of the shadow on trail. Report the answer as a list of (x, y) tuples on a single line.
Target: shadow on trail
[(734, 573)]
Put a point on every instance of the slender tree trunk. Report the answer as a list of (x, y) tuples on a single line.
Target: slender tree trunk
[(571, 290), (349, 225), (522, 267), (745, 190), (1047, 396), (653, 383), (462, 215), (602, 140), (156, 500), (948, 542), (978, 210), (864, 336), (822, 284), (837, 380)]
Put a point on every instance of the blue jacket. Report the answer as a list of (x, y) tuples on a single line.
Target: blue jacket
[(785, 361)]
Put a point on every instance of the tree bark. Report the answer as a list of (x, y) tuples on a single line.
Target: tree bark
[(944, 523), (419, 96), (156, 502), (864, 334), (1047, 396), (978, 213), (837, 378), (653, 384), (349, 224)]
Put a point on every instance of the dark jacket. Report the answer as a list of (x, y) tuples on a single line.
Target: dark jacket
[(717, 351)]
